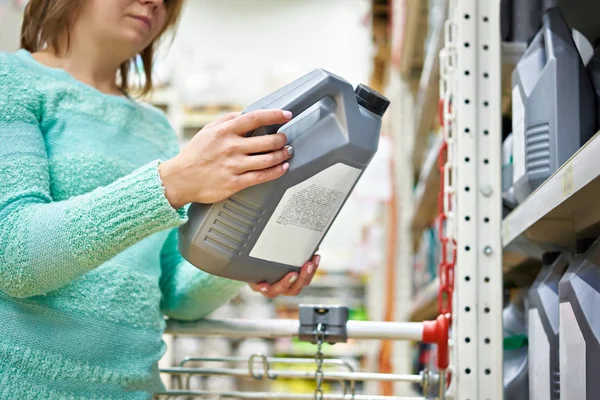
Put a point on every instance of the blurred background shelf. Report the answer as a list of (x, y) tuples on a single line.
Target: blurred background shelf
[(425, 305), (298, 349), (413, 33), (426, 191), (427, 96)]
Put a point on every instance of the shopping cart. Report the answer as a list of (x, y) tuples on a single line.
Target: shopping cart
[(318, 325)]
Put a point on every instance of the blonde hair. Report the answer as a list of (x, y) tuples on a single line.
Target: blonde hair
[(45, 20)]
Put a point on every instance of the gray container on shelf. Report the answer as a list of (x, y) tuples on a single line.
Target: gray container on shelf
[(543, 327), (516, 380), (527, 17), (508, 196), (593, 68), (553, 105), (265, 231), (581, 15), (579, 292)]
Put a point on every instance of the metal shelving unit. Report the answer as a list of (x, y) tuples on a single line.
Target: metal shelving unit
[(564, 207), (477, 326), (425, 208), (474, 67), (477, 67)]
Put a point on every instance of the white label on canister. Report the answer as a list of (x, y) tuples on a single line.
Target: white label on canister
[(539, 358), (572, 355), (303, 216), (518, 124)]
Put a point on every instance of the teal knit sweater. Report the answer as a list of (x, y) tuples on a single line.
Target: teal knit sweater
[(88, 242)]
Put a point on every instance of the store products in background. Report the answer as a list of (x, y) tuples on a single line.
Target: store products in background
[(426, 259), (543, 328), (435, 18), (266, 231), (593, 67), (508, 195), (579, 292), (520, 19), (553, 106), (581, 15), (516, 382), (369, 253)]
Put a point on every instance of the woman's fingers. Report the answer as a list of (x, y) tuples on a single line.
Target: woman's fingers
[(262, 144), (316, 260), (259, 287), (255, 119), (302, 281), (291, 284), (262, 161), (280, 287), (252, 178)]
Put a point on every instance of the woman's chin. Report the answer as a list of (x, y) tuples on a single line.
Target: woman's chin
[(138, 41)]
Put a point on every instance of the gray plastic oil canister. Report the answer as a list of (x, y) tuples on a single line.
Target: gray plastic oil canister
[(593, 68), (527, 17), (543, 328), (553, 105), (265, 231), (516, 382), (508, 195), (581, 15), (579, 292)]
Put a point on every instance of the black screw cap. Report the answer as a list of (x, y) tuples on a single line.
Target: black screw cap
[(371, 99)]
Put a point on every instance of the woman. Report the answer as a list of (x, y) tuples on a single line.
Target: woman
[(92, 190)]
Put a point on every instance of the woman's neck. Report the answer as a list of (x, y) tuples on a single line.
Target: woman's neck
[(86, 63)]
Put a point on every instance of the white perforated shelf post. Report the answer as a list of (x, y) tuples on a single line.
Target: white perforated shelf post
[(477, 324)]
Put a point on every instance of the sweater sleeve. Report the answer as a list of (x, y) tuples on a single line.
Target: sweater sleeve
[(188, 292), (46, 244)]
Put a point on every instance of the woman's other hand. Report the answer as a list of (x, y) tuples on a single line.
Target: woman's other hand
[(291, 284), (220, 161)]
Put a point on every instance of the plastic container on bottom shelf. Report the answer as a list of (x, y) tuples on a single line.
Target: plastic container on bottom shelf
[(579, 291), (553, 105), (543, 326), (515, 348)]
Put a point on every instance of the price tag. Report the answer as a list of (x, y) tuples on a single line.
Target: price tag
[(568, 182)]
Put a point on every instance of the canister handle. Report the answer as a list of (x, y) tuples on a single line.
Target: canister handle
[(299, 95)]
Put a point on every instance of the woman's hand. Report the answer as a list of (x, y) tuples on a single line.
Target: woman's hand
[(291, 284), (220, 161)]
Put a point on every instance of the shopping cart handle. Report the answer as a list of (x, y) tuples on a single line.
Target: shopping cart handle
[(437, 332)]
